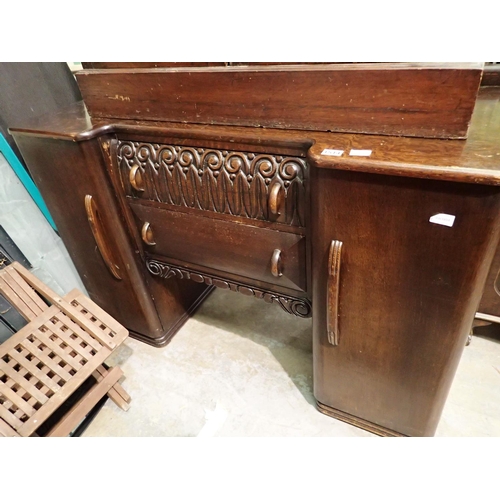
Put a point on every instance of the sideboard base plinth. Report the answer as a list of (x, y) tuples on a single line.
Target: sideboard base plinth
[(358, 422)]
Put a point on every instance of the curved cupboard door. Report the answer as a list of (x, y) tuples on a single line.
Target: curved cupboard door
[(392, 316), (72, 177)]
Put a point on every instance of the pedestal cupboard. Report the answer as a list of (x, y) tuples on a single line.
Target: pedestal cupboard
[(386, 241)]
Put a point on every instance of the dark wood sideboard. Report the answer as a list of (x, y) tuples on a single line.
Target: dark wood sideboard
[(386, 244)]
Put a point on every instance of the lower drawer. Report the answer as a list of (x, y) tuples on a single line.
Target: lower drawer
[(259, 254)]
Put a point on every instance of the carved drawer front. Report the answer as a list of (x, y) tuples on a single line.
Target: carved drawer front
[(259, 254), (249, 185)]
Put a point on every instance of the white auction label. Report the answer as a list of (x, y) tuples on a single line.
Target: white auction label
[(443, 219), (360, 152), (332, 152)]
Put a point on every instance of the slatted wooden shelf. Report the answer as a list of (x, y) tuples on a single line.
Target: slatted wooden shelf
[(66, 341)]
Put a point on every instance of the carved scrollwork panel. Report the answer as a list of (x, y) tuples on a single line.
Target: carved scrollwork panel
[(292, 305), (230, 182)]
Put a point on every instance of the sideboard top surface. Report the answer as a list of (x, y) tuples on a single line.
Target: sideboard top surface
[(474, 160)]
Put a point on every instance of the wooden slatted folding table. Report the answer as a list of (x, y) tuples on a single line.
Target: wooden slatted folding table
[(65, 342)]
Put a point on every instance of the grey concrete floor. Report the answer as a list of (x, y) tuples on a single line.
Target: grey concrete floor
[(241, 367)]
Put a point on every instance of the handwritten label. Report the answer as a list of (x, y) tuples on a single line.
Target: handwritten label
[(332, 152), (443, 219), (360, 152)]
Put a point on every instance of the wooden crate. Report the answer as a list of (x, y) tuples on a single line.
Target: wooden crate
[(66, 341)]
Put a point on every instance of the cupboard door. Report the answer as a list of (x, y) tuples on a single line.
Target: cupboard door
[(392, 318), (72, 178)]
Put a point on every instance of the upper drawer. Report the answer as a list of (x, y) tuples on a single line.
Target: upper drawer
[(249, 185)]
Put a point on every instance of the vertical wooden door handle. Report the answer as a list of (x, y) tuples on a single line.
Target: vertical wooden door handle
[(333, 292), (97, 230), (135, 178), (274, 201), (147, 234), (276, 269)]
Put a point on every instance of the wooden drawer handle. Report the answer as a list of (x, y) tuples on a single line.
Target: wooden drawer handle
[(276, 269), (97, 230), (135, 178), (147, 234), (333, 292), (274, 202)]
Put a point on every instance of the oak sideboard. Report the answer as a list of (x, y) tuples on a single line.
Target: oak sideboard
[(386, 241)]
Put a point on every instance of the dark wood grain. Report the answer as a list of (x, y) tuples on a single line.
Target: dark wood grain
[(333, 291), (56, 164), (408, 291), (475, 160), (298, 306), (65, 173), (358, 422), (243, 184), (122, 65), (32, 89), (224, 246), (402, 100)]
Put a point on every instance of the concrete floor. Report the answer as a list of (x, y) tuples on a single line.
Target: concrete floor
[(241, 367)]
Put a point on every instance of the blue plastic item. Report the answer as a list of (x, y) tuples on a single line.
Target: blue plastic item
[(28, 183)]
